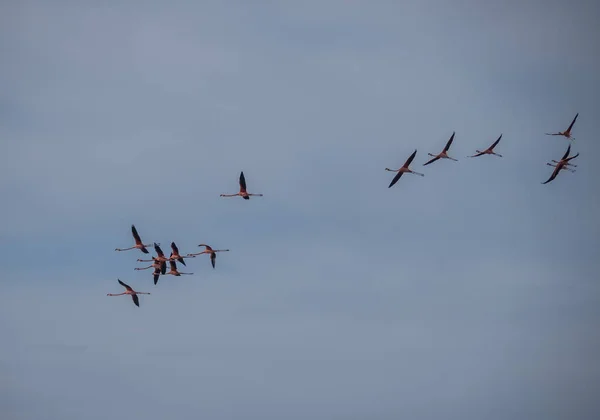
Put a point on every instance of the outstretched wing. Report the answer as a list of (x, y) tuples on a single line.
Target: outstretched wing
[(213, 257), (554, 173), (431, 161), (572, 157), (135, 300), (566, 155), (396, 178), (136, 236), (496, 142), (449, 142), (163, 267), (173, 265), (159, 251), (242, 182), (410, 159), (124, 285), (572, 122), (156, 275), (174, 248), (180, 259), (144, 250), (477, 154)]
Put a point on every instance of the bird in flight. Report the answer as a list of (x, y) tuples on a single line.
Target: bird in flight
[(158, 268), (243, 193), (129, 291), (209, 250), (138, 242), (563, 163), (567, 132), (173, 271), (444, 154), (403, 169), (160, 258), (489, 150), (155, 264), (175, 254)]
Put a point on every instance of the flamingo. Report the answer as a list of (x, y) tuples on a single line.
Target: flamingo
[(159, 258), (158, 267), (209, 250), (173, 271), (489, 150), (444, 154), (563, 163), (129, 291), (243, 193), (175, 254), (155, 264), (138, 242), (567, 132), (403, 169)]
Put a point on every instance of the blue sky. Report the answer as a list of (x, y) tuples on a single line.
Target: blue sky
[(470, 293)]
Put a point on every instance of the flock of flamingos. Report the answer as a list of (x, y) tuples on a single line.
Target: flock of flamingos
[(159, 263)]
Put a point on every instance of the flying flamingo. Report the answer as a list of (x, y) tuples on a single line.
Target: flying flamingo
[(444, 154), (175, 254), (159, 258), (155, 264), (489, 150), (403, 169), (174, 271), (129, 291), (243, 193), (567, 132), (138, 242), (158, 267), (209, 250), (563, 163)]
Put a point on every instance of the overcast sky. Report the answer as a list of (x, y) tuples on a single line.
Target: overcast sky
[(472, 292)]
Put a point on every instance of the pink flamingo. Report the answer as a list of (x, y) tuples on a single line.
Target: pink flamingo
[(209, 250), (403, 169), (567, 132), (243, 193), (138, 242), (444, 154), (174, 271), (129, 291), (562, 164), (160, 258), (158, 267), (175, 254), (489, 150)]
